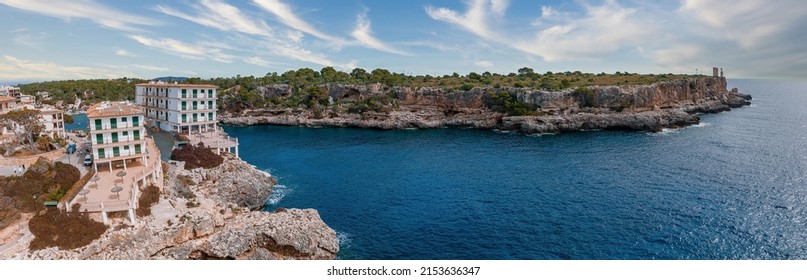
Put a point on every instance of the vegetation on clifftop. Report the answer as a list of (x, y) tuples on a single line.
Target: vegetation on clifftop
[(304, 82), (197, 156)]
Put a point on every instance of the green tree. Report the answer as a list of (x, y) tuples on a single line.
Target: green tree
[(25, 125), (525, 71)]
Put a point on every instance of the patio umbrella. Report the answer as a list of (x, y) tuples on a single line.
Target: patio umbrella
[(84, 192), (95, 179), (120, 175), (117, 189)]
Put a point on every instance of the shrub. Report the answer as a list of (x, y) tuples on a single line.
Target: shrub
[(29, 191), (149, 197), (197, 156), (503, 101), (587, 97), (65, 230)]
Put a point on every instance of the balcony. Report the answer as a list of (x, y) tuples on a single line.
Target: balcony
[(119, 127), (121, 141)]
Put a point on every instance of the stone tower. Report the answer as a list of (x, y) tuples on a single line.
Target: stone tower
[(714, 72)]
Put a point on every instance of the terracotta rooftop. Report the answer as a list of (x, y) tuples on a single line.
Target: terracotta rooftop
[(110, 109), (172, 85), (7, 99)]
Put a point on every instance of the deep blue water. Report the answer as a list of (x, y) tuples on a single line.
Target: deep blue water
[(734, 187), (79, 123)]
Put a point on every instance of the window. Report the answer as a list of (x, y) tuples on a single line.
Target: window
[(135, 121), (137, 149), (125, 133), (210, 116), (123, 119), (210, 105), (184, 105), (101, 153), (99, 138), (194, 105), (184, 93), (137, 135), (194, 93), (126, 148), (209, 93), (98, 124)]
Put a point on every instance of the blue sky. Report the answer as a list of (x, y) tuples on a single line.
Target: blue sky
[(52, 40)]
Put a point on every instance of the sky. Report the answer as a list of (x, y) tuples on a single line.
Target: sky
[(92, 39)]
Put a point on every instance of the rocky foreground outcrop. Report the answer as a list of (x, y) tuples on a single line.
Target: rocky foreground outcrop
[(205, 214), (634, 107)]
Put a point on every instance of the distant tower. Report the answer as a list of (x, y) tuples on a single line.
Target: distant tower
[(714, 71)]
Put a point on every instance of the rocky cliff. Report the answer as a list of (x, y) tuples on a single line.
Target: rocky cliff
[(205, 214), (632, 107)]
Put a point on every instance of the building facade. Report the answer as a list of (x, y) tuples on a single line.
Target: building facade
[(10, 91), (117, 134), (180, 108), (52, 121)]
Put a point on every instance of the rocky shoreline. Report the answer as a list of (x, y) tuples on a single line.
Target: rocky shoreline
[(205, 214), (647, 108)]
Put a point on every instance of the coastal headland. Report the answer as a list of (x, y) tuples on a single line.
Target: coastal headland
[(202, 214), (653, 107)]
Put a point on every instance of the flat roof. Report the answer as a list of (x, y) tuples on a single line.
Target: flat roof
[(4, 98), (112, 109), (172, 85)]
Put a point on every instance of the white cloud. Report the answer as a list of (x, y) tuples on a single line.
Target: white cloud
[(603, 29), (13, 68), (284, 13), (474, 20), (29, 40), (499, 6), (83, 9), (673, 57), (150, 67), (750, 22), (221, 16), (548, 12), (193, 51), (484, 63), (257, 61), (122, 52), (364, 35)]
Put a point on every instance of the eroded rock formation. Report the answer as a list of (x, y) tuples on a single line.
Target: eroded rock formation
[(205, 214), (634, 107)]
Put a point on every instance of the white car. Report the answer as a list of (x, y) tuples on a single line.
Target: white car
[(87, 160)]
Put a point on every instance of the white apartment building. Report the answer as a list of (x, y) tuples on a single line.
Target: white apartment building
[(53, 122), (51, 119), (10, 91), (117, 134), (180, 108)]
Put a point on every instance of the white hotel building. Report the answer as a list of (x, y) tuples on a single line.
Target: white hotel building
[(117, 134), (180, 108)]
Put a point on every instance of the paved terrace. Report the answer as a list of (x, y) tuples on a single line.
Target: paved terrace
[(100, 197), (215, 139)]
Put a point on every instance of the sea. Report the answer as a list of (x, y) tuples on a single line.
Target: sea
[(732, 187)]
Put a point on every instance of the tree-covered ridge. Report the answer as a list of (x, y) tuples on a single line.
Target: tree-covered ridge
[(90, 91), (305, 81), (525, 78)]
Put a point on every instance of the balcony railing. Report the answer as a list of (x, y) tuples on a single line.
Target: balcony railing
[(117, 126)]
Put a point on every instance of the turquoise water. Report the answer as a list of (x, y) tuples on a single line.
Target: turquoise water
[(734, 187)]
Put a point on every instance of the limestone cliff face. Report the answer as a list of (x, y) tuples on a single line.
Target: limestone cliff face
[(200, 217), (633, 107)]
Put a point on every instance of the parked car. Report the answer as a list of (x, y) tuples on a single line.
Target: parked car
[(87, 160)]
